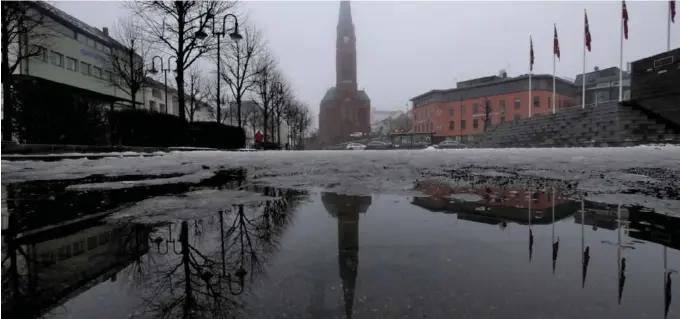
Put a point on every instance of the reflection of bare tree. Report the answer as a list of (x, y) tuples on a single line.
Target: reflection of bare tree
[(200, 278)]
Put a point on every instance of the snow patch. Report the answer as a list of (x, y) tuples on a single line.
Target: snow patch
[(190, 178), (190, 205)]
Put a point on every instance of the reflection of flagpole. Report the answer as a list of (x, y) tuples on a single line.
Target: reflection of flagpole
[(583, 233), (618, 224), (530, 200), (553, 214)]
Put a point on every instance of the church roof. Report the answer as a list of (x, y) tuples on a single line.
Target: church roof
[(330, 95)]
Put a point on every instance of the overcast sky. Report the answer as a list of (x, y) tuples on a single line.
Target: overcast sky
[(406, 48)]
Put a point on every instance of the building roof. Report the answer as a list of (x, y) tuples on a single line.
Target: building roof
[(523, 77), (73, 23), (330, 95), (603, 75)]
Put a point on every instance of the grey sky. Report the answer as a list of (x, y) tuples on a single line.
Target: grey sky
[(408, 48)]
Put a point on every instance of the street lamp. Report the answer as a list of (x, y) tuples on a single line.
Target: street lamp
[(235, 36), (165, 73)]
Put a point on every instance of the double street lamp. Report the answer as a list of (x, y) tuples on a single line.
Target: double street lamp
[(235, 36), (165, 72)]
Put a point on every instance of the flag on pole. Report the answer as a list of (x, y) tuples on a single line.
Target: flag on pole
[(588, 38), (531, 54), (556, 45), (624, 12), (671, 3)]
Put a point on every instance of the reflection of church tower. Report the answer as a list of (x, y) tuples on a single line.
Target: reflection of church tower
[(346, 208)]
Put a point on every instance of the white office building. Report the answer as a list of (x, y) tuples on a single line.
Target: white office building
[(74, 54)]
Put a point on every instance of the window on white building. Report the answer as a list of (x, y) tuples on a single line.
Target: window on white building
[(152, 105), (57, 58), (162, 108), (97, 72), (71, 63), (85, 68), (39, 52)]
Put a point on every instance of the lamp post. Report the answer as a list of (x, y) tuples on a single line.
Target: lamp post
[(154, 71), (165, 73), (235, 36), (237, 278)]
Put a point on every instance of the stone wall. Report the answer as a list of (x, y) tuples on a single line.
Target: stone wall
[(608, 124)]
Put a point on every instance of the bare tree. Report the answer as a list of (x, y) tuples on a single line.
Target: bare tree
[(487, 113), (25, 34), (173, 25), (299, 120), (253, 118), (240, 59), (282, 100), (127, 63), (265, 89), (198, 90)]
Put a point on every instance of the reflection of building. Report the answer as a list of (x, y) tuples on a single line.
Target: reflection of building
[(654, 227), (346, 208), (493, 205), (58, 266), (344, 108), (600, 215)]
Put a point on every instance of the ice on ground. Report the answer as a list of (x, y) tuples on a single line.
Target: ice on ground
[(592, 170), (190, 205), (190, 178), (661, 206)]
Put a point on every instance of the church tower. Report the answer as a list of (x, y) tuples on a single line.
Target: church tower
[(344, 109), (346, 52)]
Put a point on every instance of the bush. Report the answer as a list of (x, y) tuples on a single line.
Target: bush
[(145, 128), (216, 135), (51, 113)]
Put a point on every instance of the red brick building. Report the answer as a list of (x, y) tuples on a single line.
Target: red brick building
[(344, 109), (460, 113)]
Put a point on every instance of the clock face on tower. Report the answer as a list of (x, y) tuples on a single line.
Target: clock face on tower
[(346, 39)]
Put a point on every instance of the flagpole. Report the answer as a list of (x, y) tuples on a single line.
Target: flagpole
[(668, 34), (553, 86), (621, 60), (583, 98), (531, 68)]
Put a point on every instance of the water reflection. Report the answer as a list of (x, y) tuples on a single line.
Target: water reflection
[(503, 206), (41, 271), (346, 209), (190, 268)]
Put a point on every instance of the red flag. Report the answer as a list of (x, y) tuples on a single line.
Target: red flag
[(588, 38), (556, 44), (671, 3), (531, 54), (624, 12)]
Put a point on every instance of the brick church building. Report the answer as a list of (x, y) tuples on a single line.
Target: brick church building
[(344, 109)]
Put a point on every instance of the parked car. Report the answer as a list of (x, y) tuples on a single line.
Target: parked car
[(449, 144), (378, 145), (355, 146)]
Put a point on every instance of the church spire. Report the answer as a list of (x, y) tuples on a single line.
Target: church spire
[(345, 13)]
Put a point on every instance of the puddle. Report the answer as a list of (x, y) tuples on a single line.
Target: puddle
[(225, 246)]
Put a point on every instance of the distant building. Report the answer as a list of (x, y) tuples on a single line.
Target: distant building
[(603, 85), (459, 113)]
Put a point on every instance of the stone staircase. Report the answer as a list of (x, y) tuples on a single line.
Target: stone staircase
[(607, 124)]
